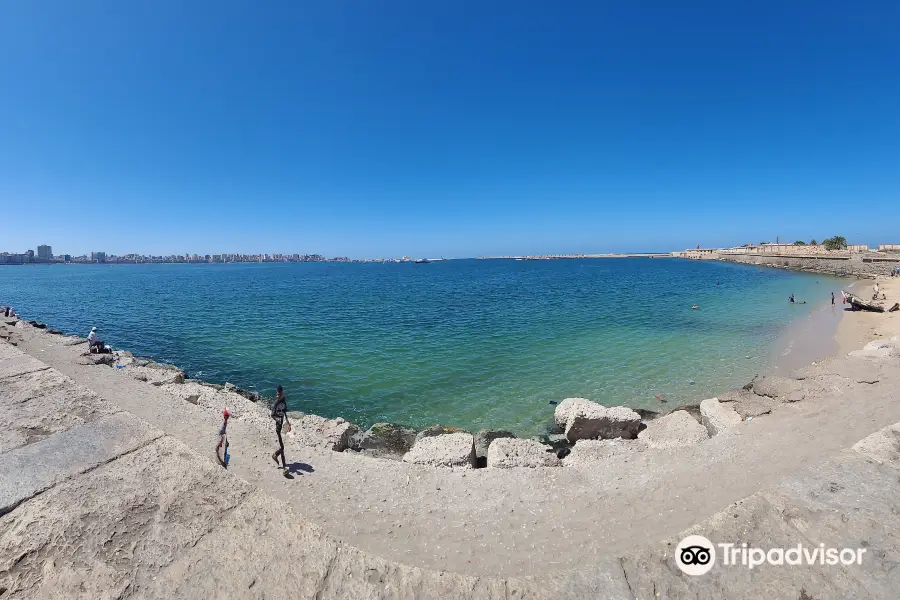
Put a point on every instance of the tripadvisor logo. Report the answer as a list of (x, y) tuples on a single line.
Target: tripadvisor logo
[(696, 555)]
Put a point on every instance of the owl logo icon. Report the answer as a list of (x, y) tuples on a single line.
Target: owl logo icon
[(695, 555)]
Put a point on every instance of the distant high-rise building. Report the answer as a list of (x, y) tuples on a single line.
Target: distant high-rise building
[(30, 255), (98, 256), (45, 252)]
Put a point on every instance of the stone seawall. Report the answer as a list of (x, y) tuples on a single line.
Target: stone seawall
[(854, 266)]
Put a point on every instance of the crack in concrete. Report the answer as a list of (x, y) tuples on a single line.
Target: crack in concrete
[(328, 570), (11, 507), (628, 583), (4, 377)]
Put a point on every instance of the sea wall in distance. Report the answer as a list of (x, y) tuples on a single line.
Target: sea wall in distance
[(847, 266)]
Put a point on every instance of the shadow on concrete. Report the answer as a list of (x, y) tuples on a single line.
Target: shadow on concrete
[(299, 467)]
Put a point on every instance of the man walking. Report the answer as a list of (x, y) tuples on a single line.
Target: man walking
[(832, 298), (279, 413)]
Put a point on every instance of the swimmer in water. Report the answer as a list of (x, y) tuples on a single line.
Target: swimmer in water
[(694, 307)]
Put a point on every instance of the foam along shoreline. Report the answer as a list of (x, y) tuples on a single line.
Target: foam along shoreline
[(583, 434)]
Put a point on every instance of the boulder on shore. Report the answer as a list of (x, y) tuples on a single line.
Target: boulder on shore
[(433, 430), (450, 450), (673, 430), (388, 438), (718, 417), (316, 431), (96, 359), (485, 437), (506, 453), (564, 409), (589, 420)]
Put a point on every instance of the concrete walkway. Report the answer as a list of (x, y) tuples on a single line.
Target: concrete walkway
[(99, 503)]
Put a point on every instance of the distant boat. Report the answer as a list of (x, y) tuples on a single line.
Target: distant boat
[(422, 261)]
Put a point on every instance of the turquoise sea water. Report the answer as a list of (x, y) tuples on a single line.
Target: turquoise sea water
[(467, 343)]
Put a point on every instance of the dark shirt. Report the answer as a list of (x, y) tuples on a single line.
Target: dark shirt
[(280, 409), (223, 427)]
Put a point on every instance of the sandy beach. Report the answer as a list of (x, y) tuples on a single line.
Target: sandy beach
[(607, 499), (857, 328)]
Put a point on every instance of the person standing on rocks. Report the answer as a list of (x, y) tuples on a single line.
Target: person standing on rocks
[(279, 414)]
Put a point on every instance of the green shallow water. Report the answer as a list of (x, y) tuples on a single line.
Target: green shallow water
[(467, 343)]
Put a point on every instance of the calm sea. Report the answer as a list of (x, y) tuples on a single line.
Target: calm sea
[(470, 343)]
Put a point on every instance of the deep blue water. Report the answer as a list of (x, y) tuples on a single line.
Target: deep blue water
[(468, 343)]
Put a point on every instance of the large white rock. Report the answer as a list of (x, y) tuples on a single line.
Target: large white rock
[(673, 430), (505, 453), (331, 434), (449, 450), (589, 420), (717, 417), (564, 409)]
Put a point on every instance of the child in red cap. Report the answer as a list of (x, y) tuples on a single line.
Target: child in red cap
[(223, 441)]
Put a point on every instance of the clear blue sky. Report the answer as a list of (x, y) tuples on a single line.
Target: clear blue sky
[(453, 128)]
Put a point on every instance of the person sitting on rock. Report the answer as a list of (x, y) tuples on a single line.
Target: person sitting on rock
[(94, 341)]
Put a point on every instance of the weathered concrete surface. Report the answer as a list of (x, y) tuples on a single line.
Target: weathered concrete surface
[(280, 556), (40, 403), (31, 469), (108, 533), (779, 387), (675, 429), (849, 502), (883, 446), (654, 574), (19, 364), (506, 453), (591, 453)]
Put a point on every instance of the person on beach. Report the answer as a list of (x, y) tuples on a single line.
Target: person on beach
[(832, 298), (223, 439), (279, 413), (94, 340)]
